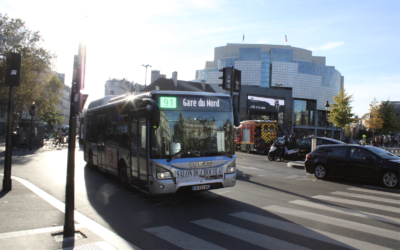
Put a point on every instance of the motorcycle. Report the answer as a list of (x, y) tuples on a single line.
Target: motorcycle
[(290, 154)]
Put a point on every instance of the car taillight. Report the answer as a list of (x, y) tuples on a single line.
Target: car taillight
[(308, 157)]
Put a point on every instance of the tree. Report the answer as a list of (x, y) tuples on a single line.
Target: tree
[(388, 114), (340, 113), (35, 67), (51, 95), (375, 120)]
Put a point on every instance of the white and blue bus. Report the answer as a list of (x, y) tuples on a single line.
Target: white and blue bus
[(163, 142)]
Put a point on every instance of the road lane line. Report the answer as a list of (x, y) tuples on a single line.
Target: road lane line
[(358, 203), (367, 197), (374, 192), (181, 239), (347, 211), (335, 221), (316, 234), (247, 235)]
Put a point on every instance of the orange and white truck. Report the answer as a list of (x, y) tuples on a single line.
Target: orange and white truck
[(256, 135)]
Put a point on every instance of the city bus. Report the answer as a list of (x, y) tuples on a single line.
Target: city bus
[(164, 142)]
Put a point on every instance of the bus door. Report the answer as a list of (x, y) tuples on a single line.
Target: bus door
[(139, 150), (101, 131)]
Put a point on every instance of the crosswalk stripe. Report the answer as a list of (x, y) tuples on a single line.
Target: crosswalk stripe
[(367, 197), (334, 221), (347, 211), (308, 232), (181, 239), (250, 168), (247, 235), (358, 203), (374, 192)]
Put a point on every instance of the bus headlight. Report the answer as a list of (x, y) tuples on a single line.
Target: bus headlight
[(162, 173), (231, 168)]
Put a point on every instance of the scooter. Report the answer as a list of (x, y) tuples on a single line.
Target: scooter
[(291, 154)]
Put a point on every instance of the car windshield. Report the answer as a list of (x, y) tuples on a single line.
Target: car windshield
[(383, 153)]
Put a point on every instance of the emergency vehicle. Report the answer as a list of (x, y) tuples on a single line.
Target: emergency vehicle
[(256, 135)]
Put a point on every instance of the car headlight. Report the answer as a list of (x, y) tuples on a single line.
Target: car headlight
[(162, 173), (231, 168)]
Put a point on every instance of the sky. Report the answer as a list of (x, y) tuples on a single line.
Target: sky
[(360, 38)]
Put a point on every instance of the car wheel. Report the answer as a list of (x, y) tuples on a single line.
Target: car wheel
[(320, 172), (123, 175), (248, 149), (271, 157), (390, 179)]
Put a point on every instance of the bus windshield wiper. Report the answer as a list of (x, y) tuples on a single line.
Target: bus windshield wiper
[(174, 156), (225, 153)]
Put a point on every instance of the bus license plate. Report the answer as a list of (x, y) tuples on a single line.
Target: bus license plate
[(202, 187)]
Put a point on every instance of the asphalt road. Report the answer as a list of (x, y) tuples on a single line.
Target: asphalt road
[(272, 206)]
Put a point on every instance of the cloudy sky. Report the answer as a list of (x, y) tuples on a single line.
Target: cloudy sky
[(360, 38)]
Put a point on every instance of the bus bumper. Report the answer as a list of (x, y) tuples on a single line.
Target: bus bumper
[(169, 187)]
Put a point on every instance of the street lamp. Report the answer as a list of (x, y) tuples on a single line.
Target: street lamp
[(145, 79), (326, 117)]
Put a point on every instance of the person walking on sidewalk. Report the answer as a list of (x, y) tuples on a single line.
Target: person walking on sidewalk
[(391, 140), (385, 141), (380, 141), (377, 140)]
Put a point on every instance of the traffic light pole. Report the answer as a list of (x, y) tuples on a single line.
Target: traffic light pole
[(7, 185)]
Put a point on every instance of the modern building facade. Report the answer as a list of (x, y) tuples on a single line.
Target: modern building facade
[(279, 82)]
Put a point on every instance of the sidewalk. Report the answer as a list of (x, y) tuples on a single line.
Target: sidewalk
[(30, 218)]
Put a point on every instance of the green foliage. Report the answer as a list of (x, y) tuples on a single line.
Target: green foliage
[(50, 95), (340, 113), (387, 112), (35, 67), (375, 121)]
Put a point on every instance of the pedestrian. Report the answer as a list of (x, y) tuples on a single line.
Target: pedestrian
[(398, 140), (380, 141), (385, 141), (363, 141), (391, 140), (377, 140)]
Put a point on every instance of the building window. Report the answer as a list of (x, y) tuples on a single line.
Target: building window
[(304, 112), (112, 92)]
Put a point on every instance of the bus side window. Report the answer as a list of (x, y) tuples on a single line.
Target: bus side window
[(272, 129)]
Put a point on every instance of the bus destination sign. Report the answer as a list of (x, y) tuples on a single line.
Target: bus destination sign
[(187, 102)]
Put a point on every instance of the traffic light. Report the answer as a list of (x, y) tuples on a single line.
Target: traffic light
[(13, 71), (32, 110), (237, 80), (226, 78)]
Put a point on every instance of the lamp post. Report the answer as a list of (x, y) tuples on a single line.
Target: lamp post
[(32, 114), (145, 79), (326, 117)]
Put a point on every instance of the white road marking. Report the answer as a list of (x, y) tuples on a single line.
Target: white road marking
[(367, 197), (307, 232), (93, 226), (347, 211), (181, 239), (292, 176), (358, 203), (250, 168), (261, 175), (246, 235), (335, 221), (374, 192), (378, 188)]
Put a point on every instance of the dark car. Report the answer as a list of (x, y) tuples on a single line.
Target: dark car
[(354, 161), (304, 145)]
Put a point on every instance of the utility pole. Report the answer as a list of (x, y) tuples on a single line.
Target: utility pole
[(76, 106)]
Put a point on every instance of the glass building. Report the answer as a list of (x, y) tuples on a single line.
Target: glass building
[(288, 75)]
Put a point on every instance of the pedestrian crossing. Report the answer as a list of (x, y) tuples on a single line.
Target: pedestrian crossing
[(319, 222)]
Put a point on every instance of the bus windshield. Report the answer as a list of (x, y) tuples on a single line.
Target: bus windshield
[(193, 132)]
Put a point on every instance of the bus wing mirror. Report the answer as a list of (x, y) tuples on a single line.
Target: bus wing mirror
[(236, 120), (153, 111)]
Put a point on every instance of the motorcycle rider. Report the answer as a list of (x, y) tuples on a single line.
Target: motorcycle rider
[(284, 147)]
